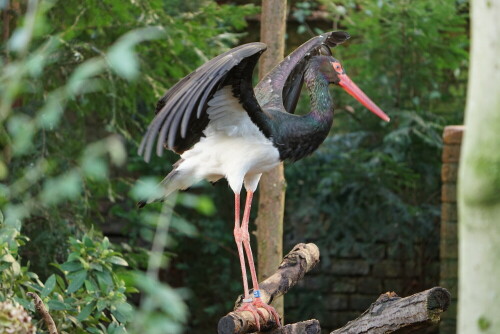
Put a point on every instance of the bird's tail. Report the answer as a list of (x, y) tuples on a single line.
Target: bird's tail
[(175, 180)]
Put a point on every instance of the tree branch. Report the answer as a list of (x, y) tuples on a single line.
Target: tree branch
[(391, 313), (303, 327), (388, 314), (40, 307), (294, 266)]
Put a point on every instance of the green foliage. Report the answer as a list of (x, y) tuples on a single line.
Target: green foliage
[(76, 92), (366, 191), (416, 51), (415, 71), (89, 290), (371, 182), (74, 104)]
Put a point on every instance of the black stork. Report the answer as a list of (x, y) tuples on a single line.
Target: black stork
[(224, 128)]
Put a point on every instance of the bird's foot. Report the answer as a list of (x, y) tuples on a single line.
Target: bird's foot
[(252, 305)]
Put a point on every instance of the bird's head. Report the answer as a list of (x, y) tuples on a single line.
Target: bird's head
[(334, 73)]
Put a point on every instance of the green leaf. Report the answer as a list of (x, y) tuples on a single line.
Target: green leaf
[(105, 243), (49, 286), (117, 260), (83, 73), (121, 56), (117, 151), (146, 188), (25, 303), (90, 285), (87, 241), (96, 266), (84, 314), (74, 256), (95, 167), (104, 280), (77, 280), (19, 39), (123, 312), (101, 304), (56, 305), (115, 328), (64, 187), (72, 266), (22, 129)]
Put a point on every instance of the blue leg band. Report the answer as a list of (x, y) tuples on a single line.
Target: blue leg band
[(256, 293)]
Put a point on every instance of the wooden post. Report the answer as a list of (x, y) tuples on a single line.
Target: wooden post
[(272, 185)]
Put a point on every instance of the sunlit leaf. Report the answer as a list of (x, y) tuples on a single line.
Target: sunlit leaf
[(121, 56), (146, 188), (117, 260), (116, 150), (19, 39), (64, 187), (83, 73), (22, 129)]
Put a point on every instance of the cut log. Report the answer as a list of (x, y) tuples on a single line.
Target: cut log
[(393, 314), (294, 266)]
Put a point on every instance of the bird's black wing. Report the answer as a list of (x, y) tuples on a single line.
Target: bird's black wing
[(181, 113), (280, 89)]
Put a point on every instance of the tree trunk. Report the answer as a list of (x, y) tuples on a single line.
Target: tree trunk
[(272, 185), (479, 179)]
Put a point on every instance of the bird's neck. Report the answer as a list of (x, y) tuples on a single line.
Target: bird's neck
[(300, 136), (321, 101)]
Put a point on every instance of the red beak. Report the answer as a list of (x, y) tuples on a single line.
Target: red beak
[(350, 87)]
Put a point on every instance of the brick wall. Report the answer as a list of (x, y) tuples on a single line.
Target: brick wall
[(346, 285), (452, 138)]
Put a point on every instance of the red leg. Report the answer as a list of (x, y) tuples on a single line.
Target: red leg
[(257, 302), (238, 237)]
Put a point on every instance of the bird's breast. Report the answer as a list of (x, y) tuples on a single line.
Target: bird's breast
[(233, 144)]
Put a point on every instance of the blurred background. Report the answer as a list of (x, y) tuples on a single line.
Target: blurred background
[(79, 82)]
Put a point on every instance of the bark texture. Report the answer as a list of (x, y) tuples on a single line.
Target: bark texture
[(294, 266), (479, 179), (272, 184), (304, 327), (393, 314), (40, 307)]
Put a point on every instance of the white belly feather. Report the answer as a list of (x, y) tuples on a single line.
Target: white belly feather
[(233, 147)]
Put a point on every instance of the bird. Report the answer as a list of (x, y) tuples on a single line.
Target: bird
[(223, 127)]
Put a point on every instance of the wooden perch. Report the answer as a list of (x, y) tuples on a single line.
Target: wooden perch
[(304, 327), (40, 307), (294, 266), (391, 313)]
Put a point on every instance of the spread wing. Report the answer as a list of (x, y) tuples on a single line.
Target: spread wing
[(181, 113), (280, 89)]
